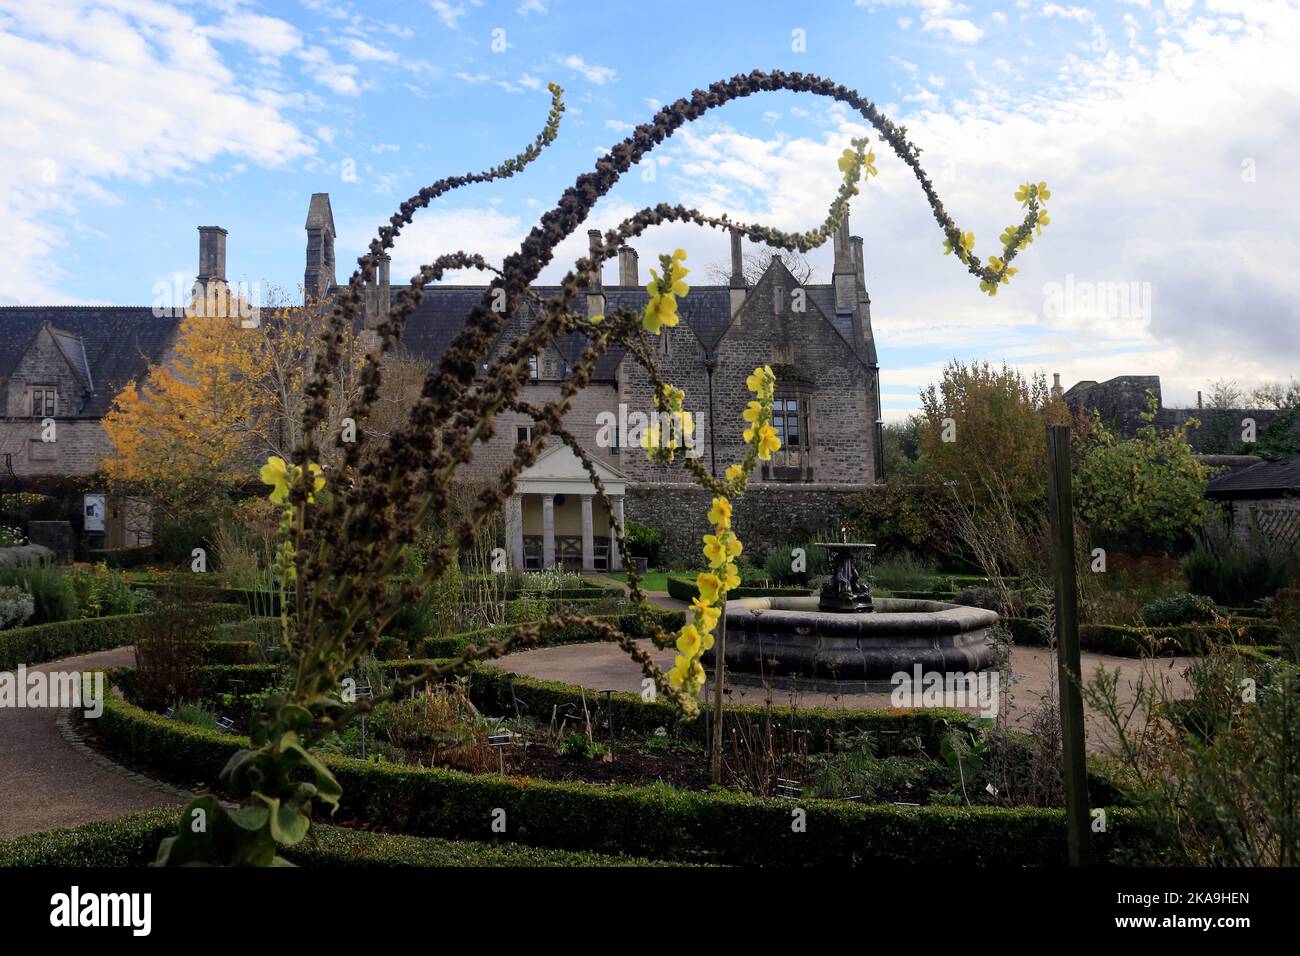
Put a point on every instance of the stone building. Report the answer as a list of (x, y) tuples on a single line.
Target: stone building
[(1265, 498), (67, 364), (1120, 402)]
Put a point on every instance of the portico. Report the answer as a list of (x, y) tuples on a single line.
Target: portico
[(556, 519)]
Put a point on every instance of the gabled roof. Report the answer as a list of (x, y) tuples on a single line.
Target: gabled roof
[(1268, 479), (113, 344)]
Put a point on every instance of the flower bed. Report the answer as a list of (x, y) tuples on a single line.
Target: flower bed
[(658, 822)]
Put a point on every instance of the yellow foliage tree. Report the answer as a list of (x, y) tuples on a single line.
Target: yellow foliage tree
[(227, 396)]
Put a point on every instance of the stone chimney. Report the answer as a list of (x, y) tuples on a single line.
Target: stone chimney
[(1057, 391), (212, 254), (385, 289), (595, 287), (738, 286), (844, 277), (211, 294), (859, 265), (629, 273), (318, 278)]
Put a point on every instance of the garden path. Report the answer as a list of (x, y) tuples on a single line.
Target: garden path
[(49, 779)]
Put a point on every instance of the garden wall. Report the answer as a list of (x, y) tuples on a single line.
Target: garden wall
[(765, 516)]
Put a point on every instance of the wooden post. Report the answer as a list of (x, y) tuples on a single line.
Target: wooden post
[(1068, 668), (719, 675)]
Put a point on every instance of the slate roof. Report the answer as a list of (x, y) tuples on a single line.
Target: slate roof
[(115, 344), (1268, 479)]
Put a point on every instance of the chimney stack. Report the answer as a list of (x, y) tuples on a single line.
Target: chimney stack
[(319, 278), (628, 271), (844, 277), (385, 296), (595, 287), (858, 264), (738, 287), (212, 254)]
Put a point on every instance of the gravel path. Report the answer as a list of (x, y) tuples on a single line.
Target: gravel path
[(49, 779)]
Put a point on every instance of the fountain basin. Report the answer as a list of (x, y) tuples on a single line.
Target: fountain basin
[(790, 636)]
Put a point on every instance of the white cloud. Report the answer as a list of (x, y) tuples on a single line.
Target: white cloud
[(96, 93), (1078, 14), (963, 31), (600, 75), (530, 6), (1147, 189), (359, 49), (320, 66), (266, 35), (448, 13)]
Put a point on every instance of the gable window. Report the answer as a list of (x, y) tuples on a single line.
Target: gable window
[(523, 433), (44, 401), (532, 367), (790, 419)]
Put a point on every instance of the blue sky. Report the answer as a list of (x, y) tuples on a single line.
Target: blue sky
[(1167, 131)]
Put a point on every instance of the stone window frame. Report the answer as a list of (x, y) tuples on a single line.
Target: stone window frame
[(779, 468), (534, 368), (47, 396), (523, 433)]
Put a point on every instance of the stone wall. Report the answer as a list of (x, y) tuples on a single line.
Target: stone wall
[(767, 516)]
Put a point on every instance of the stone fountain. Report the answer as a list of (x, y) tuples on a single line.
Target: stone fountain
[(844, 635)]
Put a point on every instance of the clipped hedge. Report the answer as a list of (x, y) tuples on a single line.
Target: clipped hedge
[(660, 822), (133, 841), (48, 642), (454, 644), (125, 559), (1122, 641), (685, 589), (257, 603)]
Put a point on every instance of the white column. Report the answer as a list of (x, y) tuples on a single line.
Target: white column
[(515, 531), (588, 536), (616, 521), (548, 531)]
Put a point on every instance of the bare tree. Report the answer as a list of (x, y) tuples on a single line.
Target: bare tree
[(754, 264)]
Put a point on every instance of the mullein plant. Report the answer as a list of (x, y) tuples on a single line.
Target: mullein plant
[(344, 531)]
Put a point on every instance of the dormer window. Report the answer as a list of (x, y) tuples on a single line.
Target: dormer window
[(532, 367), (44, 401)]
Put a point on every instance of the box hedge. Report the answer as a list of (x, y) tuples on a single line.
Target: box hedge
[(659, 822), (1122, 641), (48, 642), (133, 841)]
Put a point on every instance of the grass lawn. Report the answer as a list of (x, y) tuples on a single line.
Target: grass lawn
[(650, 581)]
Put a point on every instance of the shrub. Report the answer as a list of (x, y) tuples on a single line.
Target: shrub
[(15, 607), (102, 592), (196, 715), (1179, 609), (779, 564), (655, 821), (52, 594), (133, 841), (644, 541), (169, 650), (904, 572), (1237, 570)]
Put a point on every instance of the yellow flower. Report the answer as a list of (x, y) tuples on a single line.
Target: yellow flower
[(706, 616), (734, 472), (753, 411), (966, 244), (709, 585), (767, 443), (1043, 220), (731, 578), (597, 318), (761, 382), (848, 159), (715, 549), (689, 641), (720, 513), (659, 311), (1044, 193), (869, 165), (1024, 192), (280, 475), (276, 474)]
